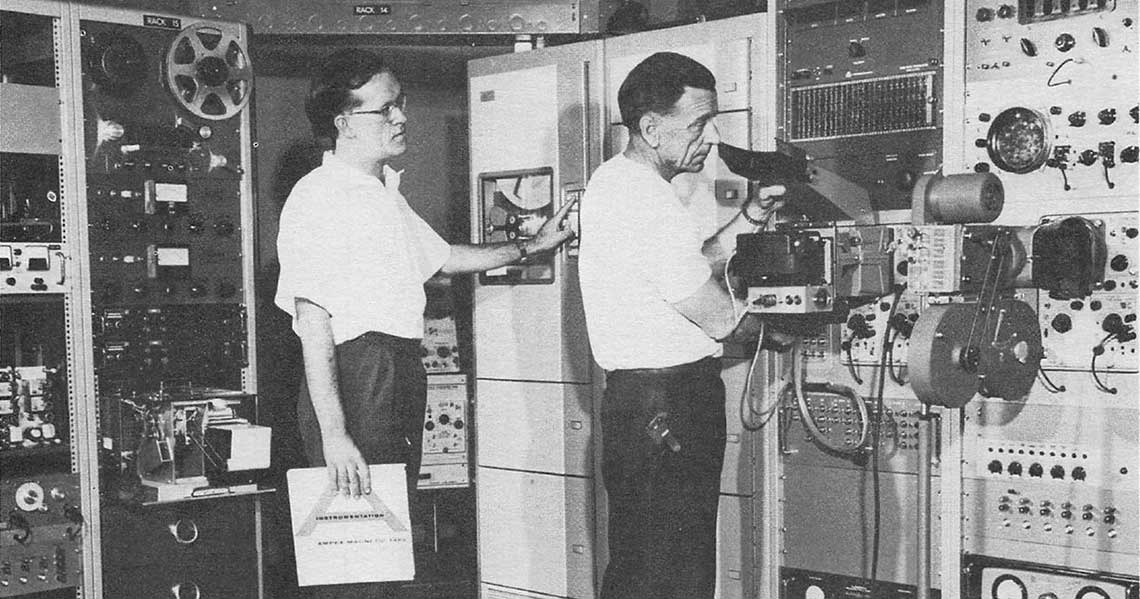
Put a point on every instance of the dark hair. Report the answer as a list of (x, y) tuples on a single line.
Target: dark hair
[(655, 84), (331, 87)]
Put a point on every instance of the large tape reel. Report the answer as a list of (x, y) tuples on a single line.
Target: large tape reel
[(957, 350), (208, 71)]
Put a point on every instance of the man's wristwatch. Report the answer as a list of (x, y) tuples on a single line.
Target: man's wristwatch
[(522, 250)]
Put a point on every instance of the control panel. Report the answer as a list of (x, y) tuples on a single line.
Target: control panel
[(166, 189), (898, 431), (1056, 476), (1091, 333), (446, 460), (990, 578), (29, 399), (1052, 98), (879, 64), (40, 534)]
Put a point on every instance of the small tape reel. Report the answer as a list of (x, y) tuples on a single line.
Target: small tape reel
[(208, 71)]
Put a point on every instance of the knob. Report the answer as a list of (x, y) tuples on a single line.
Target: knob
[(1100, 37), (1106, 116), (984, 14), (1119, 262), (1062, 323), (1078, 473), (1036, 470), (429, 425), (1130, 154), (73, 514), (1014, 468), (1110, 519), (1046, 511), (1064, 42), (994, 467), (1077, 119), (1088, 157), (1028, 47), (822, 298), (1023, 509), (1066, 514), (444, 419), (1087, 516), (1006, 11), (1057, 472)]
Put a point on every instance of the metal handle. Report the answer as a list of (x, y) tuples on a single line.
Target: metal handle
[(62, 267), (189, 587), (176, 530)]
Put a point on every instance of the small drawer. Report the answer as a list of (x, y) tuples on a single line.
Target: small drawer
[(217, 579), (169, 534)]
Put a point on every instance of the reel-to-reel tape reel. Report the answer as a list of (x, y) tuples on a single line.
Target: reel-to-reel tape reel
[(209, 72), (206, 68)]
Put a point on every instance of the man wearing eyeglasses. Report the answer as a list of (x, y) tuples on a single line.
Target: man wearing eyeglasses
[(354, 259)]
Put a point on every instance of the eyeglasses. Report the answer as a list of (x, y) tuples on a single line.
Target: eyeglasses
[(385, 111)]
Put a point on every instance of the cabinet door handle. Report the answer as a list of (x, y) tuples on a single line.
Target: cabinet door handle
[(184, 531), (186, 590), (62, 267)]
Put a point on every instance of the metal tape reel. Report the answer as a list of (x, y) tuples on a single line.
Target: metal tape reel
[(937, 352), (1012, 352), (947, 367), (208, 71)]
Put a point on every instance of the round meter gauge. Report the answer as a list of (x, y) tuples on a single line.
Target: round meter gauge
[(1008, 586), (1018, 140)]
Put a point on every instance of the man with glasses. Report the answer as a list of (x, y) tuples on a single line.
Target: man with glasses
[(655, 310), (354, 259)]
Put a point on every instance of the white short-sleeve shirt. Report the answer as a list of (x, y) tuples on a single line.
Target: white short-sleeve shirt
[(640, 252), (352, 245)]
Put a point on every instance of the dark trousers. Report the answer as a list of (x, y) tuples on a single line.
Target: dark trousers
[(383, 392), (663, 503)]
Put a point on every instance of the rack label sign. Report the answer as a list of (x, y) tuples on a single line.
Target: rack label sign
[(162, 22), (368, 10)]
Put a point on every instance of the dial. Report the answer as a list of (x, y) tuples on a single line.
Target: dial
[(1092, 592), (1018, 140), (1008, 586)]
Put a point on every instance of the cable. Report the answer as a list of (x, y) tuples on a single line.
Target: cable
[(851, 363), (875, 431), (1098, 349), (748, 412), (809, 419), (895, 376), (1047, 382)]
